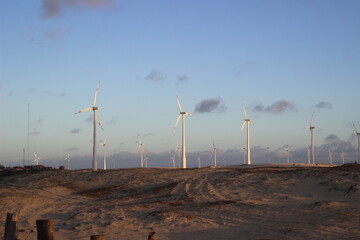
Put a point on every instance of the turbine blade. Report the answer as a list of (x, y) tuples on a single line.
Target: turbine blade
[(105, 141), (178, 102), (354, 127), (86, 109), (312, 116), (96, 93), (139, 141), (100, 126), (242, 127), (245, 112), (177, 121)]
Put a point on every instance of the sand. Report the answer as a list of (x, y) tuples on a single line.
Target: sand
[(257, 202)]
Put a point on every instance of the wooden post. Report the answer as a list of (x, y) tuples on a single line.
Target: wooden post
[(151, 235), (10, 226), (45, 230), (97, 237)]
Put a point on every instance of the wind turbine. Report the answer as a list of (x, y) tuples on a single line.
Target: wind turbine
[(183, 137), (172, 158), (141, 151), (199, 160), (358, 136), (214, 153), (247, 121), (330, 157), (287, 149), (94, 108), (36, 159), (67, 158), (178, 152), (104, 146), (311, 127)]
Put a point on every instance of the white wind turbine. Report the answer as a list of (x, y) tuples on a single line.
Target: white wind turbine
[(104, 146), (172, 158), (141, 151), (67, 158), (358, 136), (36, 159), (311, 127), (247, 121), (214, 150), (94, 108), (330, 157), (183, 137), (199, 160), (178, 152)]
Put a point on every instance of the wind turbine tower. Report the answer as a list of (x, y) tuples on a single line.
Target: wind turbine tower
[(104, 146), (214, 152), (330, 157), (247, 121), (67, 158), (358, 136), (312, 140), (141, 151), (183, 136), (94, 108)]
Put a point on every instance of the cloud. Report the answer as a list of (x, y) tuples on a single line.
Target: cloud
[(55, 8), (182, 79), (56, 34), (156, 76), (72, 149), (149, 134), (90, 118), (210, 105), (324, 105), (34, 133), (331, 138), (75, 131), (275, 108), (114, 120)]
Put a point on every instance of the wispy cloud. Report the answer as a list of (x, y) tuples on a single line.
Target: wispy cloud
[(210, 105), (114, 120), (75, 131), (56, 34), (182, 79), (55, 8), (276, 108), (156, 76), (149, 134), (324, 105)]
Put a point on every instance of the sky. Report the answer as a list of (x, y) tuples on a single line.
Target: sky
[(286, 61)]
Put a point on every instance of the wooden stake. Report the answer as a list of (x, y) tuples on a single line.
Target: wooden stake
[(151, 235), (45, 229), (10, 226)]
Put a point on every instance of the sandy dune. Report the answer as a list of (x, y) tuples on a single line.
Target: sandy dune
[(261, 202)]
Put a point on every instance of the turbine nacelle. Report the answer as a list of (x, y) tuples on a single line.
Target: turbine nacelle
[(185, 113)]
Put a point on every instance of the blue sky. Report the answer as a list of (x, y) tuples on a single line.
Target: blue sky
[(284, 60)]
